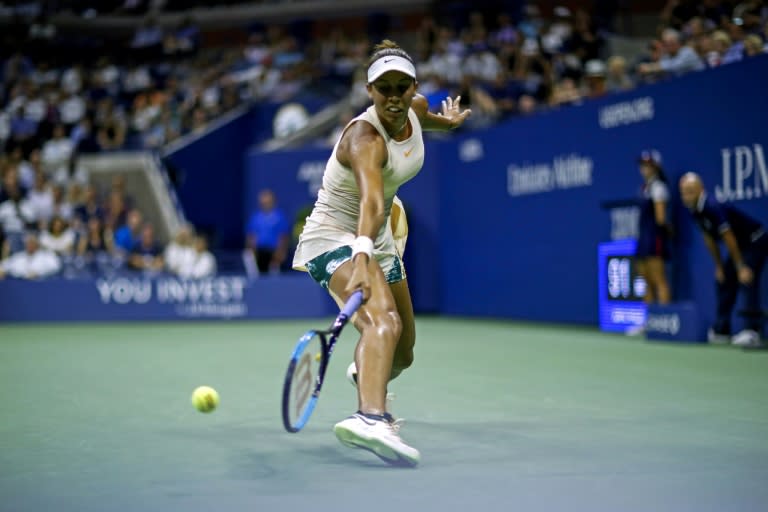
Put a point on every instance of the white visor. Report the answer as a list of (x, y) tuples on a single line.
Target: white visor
[(390, 63)]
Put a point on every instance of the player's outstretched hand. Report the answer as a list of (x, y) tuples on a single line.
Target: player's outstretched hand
[(452, 111)]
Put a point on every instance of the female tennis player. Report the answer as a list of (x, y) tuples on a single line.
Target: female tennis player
[(347, 244)]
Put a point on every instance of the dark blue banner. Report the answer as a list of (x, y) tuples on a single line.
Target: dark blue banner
[(162, 298)]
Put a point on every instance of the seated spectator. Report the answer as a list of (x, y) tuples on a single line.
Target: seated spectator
[(146, 255), (11, 186), (83, 136), (128, 235), (595, 76), (753, 45), (23, 130), (721, 41), (111, 132), (90, 206), (677, 59), (40, 197), (31, 263), (618, 77), (71, 109), (61, 205), (25, 168), (116, 211), (565, 93), (202, 264), (72, 172), (58, 238), (16, 216), (58, 150), (96, 242), (526, 105), (180, 251), (735, 52)]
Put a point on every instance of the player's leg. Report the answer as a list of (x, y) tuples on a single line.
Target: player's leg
[(403, 357), (380, 327), (656, 272), (372, 428)]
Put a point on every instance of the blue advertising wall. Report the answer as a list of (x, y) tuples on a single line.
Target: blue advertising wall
[(137, 297), (533, 198), (506, 222)]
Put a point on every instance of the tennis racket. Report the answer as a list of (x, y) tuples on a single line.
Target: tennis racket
[(306, 369)]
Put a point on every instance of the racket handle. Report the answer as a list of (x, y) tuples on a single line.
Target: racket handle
[(353, 303)]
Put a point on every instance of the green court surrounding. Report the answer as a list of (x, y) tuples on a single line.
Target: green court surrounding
[(507, 417)]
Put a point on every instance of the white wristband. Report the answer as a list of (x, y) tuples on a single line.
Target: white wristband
[(362, 244)]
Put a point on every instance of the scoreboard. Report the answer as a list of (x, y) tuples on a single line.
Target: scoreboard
[(621, 289)]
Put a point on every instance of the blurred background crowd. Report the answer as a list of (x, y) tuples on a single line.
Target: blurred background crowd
[(67, 90)]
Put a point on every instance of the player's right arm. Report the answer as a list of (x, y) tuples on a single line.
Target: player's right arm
[(363, 149)]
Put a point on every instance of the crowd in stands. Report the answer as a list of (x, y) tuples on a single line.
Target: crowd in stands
[(162, 83), (506, 67), (70, 228)]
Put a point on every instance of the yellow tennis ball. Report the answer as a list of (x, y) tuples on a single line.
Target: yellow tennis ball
[(205, 399)]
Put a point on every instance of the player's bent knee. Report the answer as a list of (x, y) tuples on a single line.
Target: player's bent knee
[(390, 327)]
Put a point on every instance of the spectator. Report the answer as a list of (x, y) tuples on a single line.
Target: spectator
[(146, 254), (596, 78), (61, 205), (57, 151), (97, 242), (128, 235), (40, 197), (268, 234), (735, 52), (16, 213), (116, 211), (747, 248), (721, 41), (90, 206), (677, 59), (111, 131), (25, 168), (72, 172), (83, 136), (31, 263), (618, 78), (180, 251), (753, 45), (58, 238), (202, 264)]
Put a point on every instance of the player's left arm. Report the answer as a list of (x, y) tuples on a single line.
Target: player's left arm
[(450, 117)]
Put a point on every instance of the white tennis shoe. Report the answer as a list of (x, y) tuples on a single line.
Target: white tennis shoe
[(352, 378), (715, 338), (746, 338), (378, 435)]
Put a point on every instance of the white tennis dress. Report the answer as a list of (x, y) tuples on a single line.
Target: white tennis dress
[(331, 228)]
